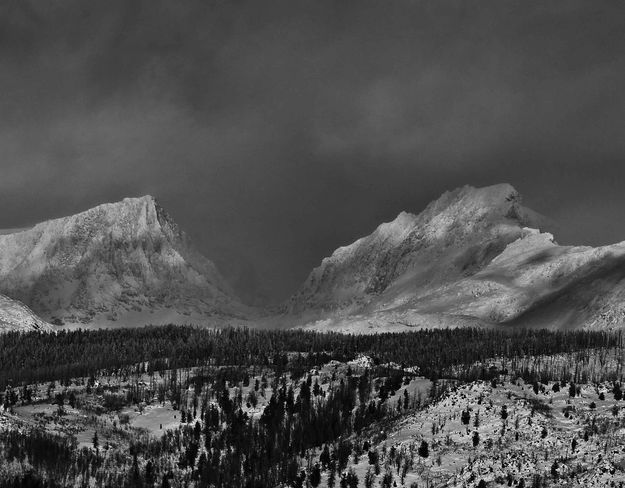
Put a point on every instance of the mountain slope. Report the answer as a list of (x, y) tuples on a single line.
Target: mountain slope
[(470, 258), (15, 316), (116, 261), (535, 282), (453, 237)]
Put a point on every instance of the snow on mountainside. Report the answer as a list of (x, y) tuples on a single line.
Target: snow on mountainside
[(15, 316), (472, 257), (453, 237), (126, 260)]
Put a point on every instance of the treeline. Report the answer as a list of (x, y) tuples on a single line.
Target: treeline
[(35, 357)]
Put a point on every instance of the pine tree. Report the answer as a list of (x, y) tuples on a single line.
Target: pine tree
[(387, 480), (324, 457), (554, 469), (332, 476), (149, 474), (424, 449), (504, 412), (369, 477), (135, 475), (315, 476), (476, 438), (351, 480), (465, 417)]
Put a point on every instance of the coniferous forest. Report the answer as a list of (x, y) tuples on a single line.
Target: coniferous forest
[(186, 406), (31, 357)]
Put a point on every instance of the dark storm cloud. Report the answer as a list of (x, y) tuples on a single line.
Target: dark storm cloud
[(276, 131)]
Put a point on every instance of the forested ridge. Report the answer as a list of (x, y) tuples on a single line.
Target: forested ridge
[(317, 410), (35, 357)]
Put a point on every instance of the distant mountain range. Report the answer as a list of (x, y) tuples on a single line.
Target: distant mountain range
[(475, 256)]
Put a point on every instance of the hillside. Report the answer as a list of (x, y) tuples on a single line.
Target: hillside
[(15, 316), (523, 409), (513, 436), (475, 256), (125, 262)]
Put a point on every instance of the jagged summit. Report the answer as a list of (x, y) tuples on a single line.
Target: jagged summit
[(474, 256), (454, 236), (497, 202), (110, 262)]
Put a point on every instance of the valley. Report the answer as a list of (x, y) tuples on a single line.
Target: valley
[(312, 244), (474, 257), (458, 347)]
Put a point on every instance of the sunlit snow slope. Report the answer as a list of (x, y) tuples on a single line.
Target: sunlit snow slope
[(125, 263), (15, 316), (475, 256)]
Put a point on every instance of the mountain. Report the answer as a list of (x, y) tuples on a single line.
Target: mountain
[(453, 237), (15, 316), (125, 262), (474, 256)]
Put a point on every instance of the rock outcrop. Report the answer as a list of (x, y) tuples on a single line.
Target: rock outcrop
[(15, 316)]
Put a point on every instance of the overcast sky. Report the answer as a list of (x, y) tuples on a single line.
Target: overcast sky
[(275, 131)]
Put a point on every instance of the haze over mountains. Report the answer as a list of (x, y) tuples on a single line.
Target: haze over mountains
[(475, 256)]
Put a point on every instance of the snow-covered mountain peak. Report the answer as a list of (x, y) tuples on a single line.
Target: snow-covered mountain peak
[(110, 260), (470, 205), (474, 256), (454, 236)]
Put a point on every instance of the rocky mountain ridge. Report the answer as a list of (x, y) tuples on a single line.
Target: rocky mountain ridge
[(475, 256), (453, 237), (121, 262)]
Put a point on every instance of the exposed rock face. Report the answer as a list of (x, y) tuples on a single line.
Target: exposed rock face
[(15, 316), (472, 257), (111, 262), (455, 236)]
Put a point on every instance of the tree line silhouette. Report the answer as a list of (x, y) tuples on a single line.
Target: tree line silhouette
[(34, 357)]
